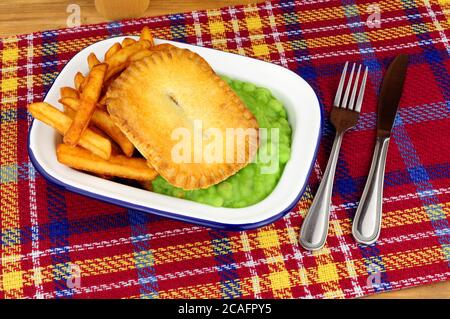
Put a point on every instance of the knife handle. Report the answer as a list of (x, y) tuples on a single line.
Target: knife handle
[(367, 221)]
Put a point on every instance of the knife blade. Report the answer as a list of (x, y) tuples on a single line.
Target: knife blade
[(367, 222), (390, 94)]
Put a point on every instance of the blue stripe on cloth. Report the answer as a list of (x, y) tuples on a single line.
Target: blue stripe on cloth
[(229, 278), (373, 260), (411, 115), (49, 58), (365, 48), (145, 263), (308, 71), (421, 179), (58, 230), (306, 68), (10, 237), (334, 69), (434, 59)]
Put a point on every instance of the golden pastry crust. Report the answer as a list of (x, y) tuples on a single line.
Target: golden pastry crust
[(174, 89)]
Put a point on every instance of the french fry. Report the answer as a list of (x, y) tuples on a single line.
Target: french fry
[(103, 121), (69, 92), (118, 62), (50, 115), (112, 50), (92, 60), (117, 165), (102, 107), (128, 41), (89, 97), (146, 34), (71, 102), (78, 81)]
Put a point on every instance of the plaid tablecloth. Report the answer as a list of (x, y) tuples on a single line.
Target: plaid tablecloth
[(49, 234)]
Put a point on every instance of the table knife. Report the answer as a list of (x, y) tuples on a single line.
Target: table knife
[(367, 221)]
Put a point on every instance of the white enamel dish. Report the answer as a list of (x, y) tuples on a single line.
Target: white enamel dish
[(304, 116)]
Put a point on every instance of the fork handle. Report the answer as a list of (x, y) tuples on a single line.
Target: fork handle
[(367, 221), (314, 230)]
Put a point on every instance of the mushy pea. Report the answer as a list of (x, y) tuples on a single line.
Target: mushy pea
[(257, 180)]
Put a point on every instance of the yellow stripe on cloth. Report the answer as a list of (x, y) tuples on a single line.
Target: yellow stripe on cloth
[(217, 29), (254, 240), (445, 5), (338, 12)]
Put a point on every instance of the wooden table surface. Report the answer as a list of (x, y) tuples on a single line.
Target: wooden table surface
[(25, 16)]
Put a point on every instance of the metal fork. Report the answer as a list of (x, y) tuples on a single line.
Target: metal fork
[(344, 115)]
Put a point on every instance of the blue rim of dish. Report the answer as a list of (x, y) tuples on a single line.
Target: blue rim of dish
[(191, 220)]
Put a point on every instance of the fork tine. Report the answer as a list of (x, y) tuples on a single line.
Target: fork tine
[(351, 105), (337, 98), (347, 90), (361, 92)]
